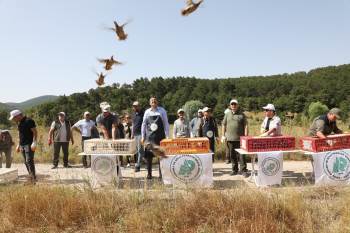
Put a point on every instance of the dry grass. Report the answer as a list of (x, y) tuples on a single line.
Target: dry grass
[(62, 209)]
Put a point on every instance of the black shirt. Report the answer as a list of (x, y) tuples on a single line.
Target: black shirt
[(107, 122), (25, 132), (137, 123)]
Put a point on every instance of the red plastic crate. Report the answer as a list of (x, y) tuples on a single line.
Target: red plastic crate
[(261, 144), (332, 142), (185, 145)]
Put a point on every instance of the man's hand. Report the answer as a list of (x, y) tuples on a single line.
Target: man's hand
[(18, 149), (142, 141), (33, 146), (264, 134), (49, 141)]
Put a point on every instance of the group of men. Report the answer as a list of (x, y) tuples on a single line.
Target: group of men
[(149, 127)]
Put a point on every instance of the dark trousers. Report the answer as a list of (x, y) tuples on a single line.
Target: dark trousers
[(56, 152), (28, 156), (212, 147), (86, 159), (227, 153), (149, 157), (8, 157), (235, 156)]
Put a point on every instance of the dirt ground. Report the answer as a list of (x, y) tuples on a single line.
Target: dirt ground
[(295, 173)]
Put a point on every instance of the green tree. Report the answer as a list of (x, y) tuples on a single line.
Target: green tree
[(191, 107)]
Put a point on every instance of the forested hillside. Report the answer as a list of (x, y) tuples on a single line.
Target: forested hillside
[(289, 92)]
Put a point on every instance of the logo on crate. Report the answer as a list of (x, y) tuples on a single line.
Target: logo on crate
[(270, 166), (336, 165), (103, 165), (186, 168)]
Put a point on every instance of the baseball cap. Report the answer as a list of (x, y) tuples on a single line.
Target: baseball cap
[(206, 109), (336, 112), (61, 113), (270, 107), (180, 110), (136, 103), (14, 113), (86, 113), (106, 108), (200, 111), (234, 101)]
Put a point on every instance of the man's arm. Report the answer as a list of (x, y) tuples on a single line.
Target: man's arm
[(245, 122), (319, 128), (165, 122), (52, 128), (71, 134), (174, 130), (223, 127), (35, 134)]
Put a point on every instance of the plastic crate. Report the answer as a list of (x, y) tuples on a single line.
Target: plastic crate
[(261, 144), (104, 146), (332, 142), (185, 145)]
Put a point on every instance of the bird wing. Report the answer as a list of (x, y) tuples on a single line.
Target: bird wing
[(103, 60)]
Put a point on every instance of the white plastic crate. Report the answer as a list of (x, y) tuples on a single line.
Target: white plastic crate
[(104, 146)]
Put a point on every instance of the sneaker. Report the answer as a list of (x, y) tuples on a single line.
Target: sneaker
[(67, 166), (228, 162), (54, 167), (137, 169)]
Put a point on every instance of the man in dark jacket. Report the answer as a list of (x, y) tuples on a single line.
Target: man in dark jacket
[(326, 124), (209, 129)]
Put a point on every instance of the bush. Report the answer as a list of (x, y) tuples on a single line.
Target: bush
[(191, 107), (316, 109)]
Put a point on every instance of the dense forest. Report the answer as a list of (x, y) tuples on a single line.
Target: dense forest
[(289, 92)]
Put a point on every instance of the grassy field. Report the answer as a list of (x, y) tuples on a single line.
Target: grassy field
[(64, 209)]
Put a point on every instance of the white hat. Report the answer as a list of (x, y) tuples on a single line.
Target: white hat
[(234, 101), (206, 109), (61, 113), (180, 110), (106, 108), (200, 111), (136, 103), (14, 113), (86, 113), (270, 107)]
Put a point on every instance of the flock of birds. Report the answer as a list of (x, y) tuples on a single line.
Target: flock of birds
[(109, 63)]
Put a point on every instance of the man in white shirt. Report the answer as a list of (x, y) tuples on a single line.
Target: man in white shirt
[(60, 134), (271, 125), (85, 127)]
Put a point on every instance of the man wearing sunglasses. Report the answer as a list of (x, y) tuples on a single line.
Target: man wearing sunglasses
[(271, 125), (234, 126)]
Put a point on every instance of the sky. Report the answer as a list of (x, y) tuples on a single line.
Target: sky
[(51, 46)]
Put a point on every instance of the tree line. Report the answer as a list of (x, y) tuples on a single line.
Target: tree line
[(289, 92)]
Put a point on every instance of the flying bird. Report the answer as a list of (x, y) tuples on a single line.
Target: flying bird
[(109, 62), (190, 7), (119, 30), (156, 150), (101, 78)]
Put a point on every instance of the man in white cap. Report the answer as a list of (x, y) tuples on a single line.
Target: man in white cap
[(60, 134), (108, 122), (136, 132), (209, 129), (271, 125), (181, 127), (85, 127), (27, 140), (234, 126), (195, 123)]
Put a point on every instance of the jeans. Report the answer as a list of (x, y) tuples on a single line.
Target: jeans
[(86, 159), (140, 151), (7, 153), (235, 156), (56, 152), (28, 156)]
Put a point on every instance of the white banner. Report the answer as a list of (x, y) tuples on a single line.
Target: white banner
[(332, 167), (270, 168), (188, 170), (104, 169)]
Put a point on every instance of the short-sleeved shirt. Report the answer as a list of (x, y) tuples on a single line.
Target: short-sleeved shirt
[(272, 123), (25, 127), (181, 129), (107, 122), (322, 124), (235, 123), (85, 127)]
